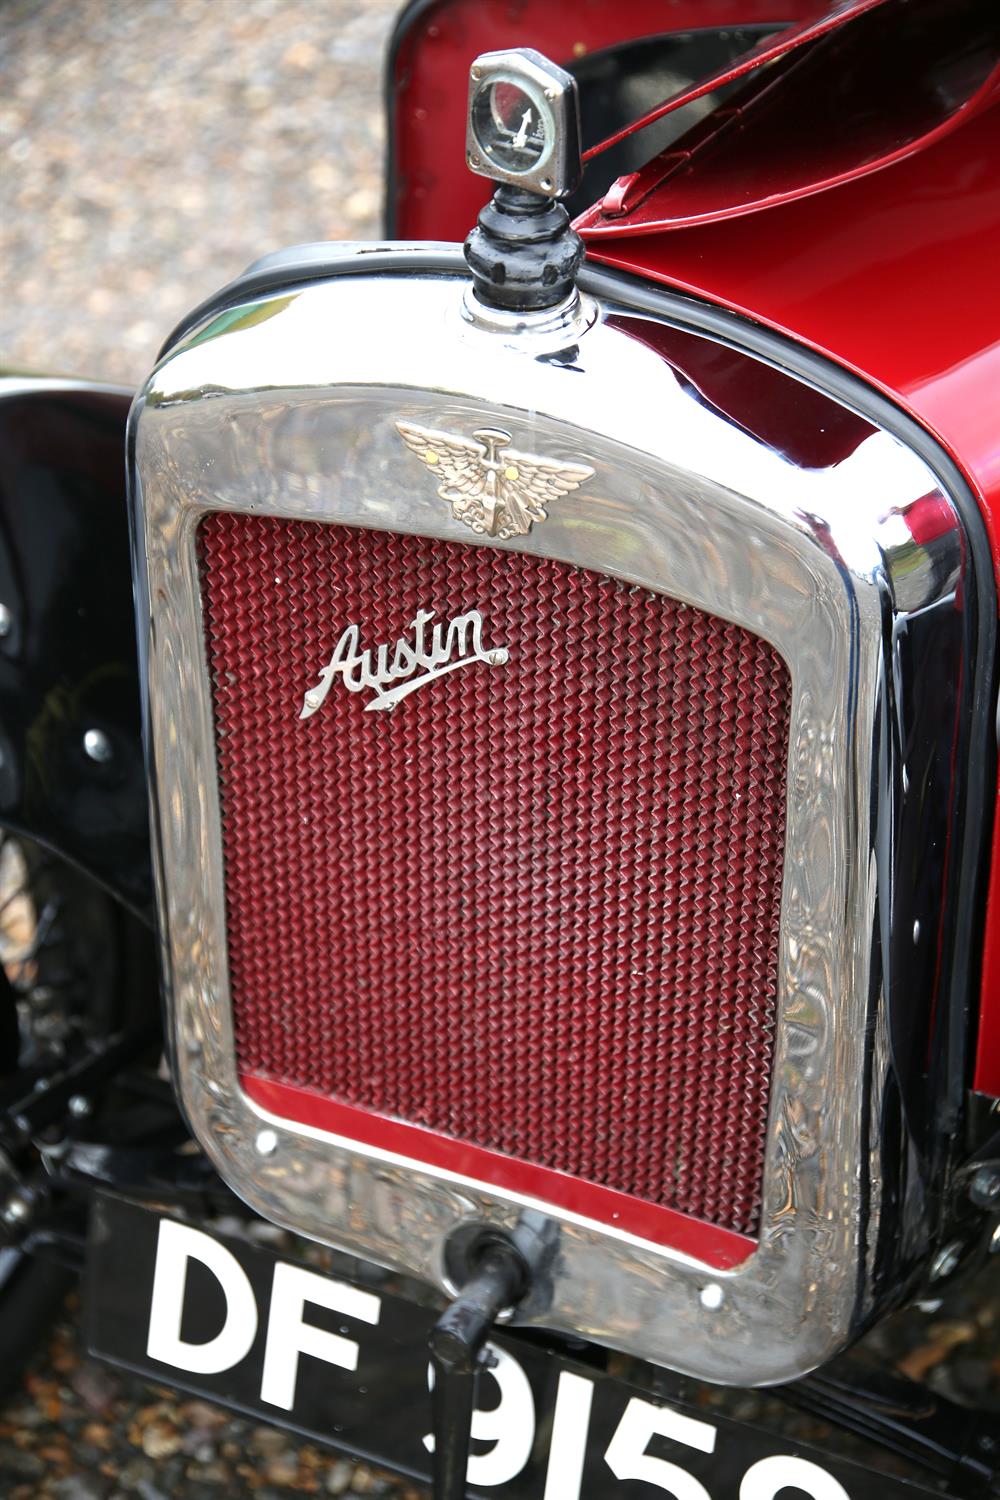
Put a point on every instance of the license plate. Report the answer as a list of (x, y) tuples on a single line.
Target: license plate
[(344, 1363)]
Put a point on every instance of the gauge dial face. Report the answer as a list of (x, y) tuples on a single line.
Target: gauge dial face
[(513, 127)]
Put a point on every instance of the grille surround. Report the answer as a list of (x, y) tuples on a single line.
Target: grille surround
[(290, 413)]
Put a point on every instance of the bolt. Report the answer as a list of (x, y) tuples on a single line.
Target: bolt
[(267, 1142), (6, 621), (79, 1106), (945, 1261), (984, 1186), (97, 745), (17, 1209), (984, 1189)]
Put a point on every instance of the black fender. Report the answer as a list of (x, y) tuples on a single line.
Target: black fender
[(68, 661)]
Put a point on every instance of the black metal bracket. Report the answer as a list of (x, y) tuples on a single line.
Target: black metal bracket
[(954, 1442), (458, 1354), (523, 254), (496, 1272)]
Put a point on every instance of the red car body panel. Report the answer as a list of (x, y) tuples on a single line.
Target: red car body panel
[(825, 114), (923, 324), (433, 196), (891, 274)]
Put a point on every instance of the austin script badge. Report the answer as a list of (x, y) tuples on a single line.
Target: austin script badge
[(490, 486), (391, 673)]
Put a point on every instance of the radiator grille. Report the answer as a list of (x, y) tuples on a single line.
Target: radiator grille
[(535, 907)]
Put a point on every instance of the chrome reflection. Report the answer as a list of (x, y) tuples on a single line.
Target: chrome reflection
[(292, 409)]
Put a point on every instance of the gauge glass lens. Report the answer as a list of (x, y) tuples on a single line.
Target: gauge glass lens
[(509, 126)]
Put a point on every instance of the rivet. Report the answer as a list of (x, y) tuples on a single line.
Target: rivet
[(945, 1261), (267, 1142), (16, 1210), (984, 1189), (97, 745)]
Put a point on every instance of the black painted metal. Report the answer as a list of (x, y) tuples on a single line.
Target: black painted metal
[(457, 1343), (68, 662), (523, 255), (46, 1104), (909, 1419), (378, 1409)]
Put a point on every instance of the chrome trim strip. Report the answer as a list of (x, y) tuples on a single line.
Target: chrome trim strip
[(821, 563)]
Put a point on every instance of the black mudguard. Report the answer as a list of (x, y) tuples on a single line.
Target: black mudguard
[(68, 648)]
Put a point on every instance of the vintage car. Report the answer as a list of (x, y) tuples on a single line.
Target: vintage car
[(562, 692)]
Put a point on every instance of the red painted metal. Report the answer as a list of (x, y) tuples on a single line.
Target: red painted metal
[(534, 909), (886, 85), (720, 1248), (435, 197), (792, 39), (894, 276)]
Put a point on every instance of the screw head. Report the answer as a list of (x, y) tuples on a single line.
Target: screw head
[(945, 1261), (984, 1189), (712, 1296), (97, 746), (17, 1209)]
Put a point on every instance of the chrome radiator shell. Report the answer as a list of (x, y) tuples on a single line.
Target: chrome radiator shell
[(244, 416)]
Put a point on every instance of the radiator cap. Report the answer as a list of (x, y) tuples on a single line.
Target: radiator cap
[(523, 132)]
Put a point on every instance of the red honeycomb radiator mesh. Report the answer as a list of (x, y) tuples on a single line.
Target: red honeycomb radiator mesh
[(535, 907)]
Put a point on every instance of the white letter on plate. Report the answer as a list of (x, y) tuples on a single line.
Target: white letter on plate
[(175, 1246), (510, 1426), (288, 1336), (627, 1457), (766, 1478)]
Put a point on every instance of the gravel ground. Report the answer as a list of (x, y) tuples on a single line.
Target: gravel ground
[(81, 1431), (153, 149)]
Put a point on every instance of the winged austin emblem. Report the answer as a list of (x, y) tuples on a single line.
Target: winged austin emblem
[(490, 486)]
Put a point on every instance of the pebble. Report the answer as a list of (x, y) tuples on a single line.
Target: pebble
[(96, 1386), (160, 1440), (201, 1414), (338, 1480), (20, 1465), (198, 1443), (78, 1487), (283, 1468), (267, 1440)]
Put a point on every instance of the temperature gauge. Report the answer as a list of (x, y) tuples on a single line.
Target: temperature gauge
[(524, 122)]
